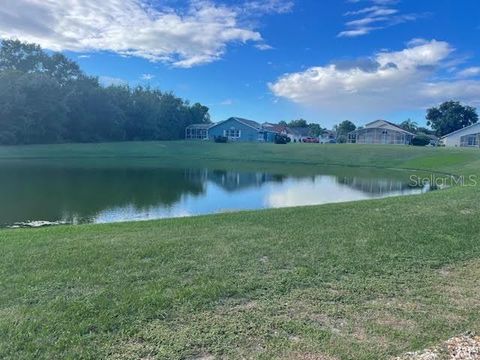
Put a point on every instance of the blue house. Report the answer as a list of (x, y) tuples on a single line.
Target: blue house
[(234, 128)]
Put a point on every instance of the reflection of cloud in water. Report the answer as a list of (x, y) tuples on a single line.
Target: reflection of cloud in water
[(131, 213), (75, 194), (326, 189)]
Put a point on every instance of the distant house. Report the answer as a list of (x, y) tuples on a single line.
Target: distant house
[(328, 137), (381, 132), (434, 140), (467, 137), (234, 128), (302, 133), (283, 130), (197, 132)]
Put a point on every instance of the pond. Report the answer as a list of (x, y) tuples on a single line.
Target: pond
[(33, 194)]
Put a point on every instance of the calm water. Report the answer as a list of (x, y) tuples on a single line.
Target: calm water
[(32, 195)]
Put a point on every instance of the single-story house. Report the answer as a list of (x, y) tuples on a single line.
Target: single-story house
[(434, 140), (328, 137), (234, 128), (283, 130), (467, 137), (381, 132)]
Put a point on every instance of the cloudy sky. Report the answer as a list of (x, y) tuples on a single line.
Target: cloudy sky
[(271, 60)]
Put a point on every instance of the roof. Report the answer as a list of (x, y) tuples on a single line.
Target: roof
[(383, 124), (460, 130), (199, 126), (247, 122), (278, 128), (250, 123)]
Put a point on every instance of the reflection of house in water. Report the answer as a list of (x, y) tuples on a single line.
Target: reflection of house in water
[(375, 186), (232, 180)]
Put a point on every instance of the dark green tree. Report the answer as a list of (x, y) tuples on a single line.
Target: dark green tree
[(300, 123), (344, 128), (451, 116), (315, 129), (46, 98)]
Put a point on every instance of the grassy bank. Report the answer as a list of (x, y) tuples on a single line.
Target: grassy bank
[(364, 280)]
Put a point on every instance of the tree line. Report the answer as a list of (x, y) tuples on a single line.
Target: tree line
[(47, 98)]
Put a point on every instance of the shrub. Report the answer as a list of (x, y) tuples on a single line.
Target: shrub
[(281, 139), (221, 139), (421, 140)]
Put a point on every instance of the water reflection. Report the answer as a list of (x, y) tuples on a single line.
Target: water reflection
[(99, 195)]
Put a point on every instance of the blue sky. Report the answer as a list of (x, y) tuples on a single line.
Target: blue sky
[(271, 60)]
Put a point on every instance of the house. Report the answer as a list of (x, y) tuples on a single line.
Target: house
[(242, 130), (434, 140), (283, 130), (467, 137), (302, 133), (328, 137), (197, 132), (381, 132), (234, 128)]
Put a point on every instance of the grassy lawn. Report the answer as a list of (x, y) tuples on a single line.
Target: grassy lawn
[(363, 280)]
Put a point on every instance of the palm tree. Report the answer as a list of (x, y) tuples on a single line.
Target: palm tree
[(409, 125)]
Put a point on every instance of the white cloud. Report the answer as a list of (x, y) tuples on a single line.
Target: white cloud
[(264, 47), (227, 102), (194, 35), (389, 81), (469, 72), (268, 6), (381, 13), (147, 77)]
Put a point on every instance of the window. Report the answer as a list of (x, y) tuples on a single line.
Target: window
[(469, 140), (194, 133), (232, 133)]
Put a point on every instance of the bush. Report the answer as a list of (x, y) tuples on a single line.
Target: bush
[(7, 138), (281, 139), (421, 140), (220, 139)]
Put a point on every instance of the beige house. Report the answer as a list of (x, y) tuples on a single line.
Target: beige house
[(381, 132)]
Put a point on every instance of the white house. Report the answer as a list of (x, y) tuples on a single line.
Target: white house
[(467, 137), (381, 132)]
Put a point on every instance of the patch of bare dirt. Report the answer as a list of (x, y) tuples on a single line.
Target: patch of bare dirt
[(465, 347)]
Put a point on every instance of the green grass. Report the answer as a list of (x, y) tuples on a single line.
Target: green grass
[(363, 280)]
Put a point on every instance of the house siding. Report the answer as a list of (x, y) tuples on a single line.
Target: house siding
[(380, 132), (379, 136), (247, 133), (457, 139)]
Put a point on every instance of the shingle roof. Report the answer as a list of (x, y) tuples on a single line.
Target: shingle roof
[(383, 124), (250, 123), (199, 126), (247, 122), (276, 127)]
